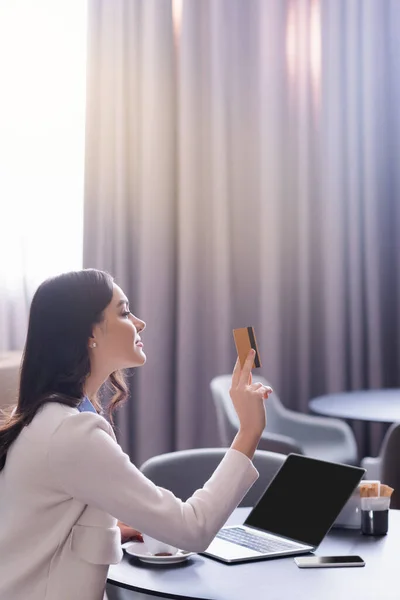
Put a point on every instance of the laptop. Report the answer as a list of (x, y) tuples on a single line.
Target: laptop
[(294, 514)]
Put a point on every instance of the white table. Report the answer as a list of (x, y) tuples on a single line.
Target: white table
[(368, 406), (202, 578)]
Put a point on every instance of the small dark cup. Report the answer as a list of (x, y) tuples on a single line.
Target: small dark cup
[(374, 522)]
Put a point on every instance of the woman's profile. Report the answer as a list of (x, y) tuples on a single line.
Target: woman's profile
[(65, 483)]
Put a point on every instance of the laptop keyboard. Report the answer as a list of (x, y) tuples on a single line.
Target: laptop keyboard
[(240, 536)]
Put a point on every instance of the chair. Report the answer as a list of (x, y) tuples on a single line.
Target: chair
[(185, 471), (287, 430), (386, 466), (373, 465), (10, 363)]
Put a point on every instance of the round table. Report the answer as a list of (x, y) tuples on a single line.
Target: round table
[(370, 406), (203, 578)]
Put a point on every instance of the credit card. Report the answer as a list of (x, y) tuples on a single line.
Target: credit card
[(245, 339)]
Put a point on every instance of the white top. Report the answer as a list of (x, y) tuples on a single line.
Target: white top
[(64, 477)]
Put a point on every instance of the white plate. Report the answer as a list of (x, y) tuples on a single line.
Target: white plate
[(140, 551)]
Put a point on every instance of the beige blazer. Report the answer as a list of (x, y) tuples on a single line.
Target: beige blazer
[(66, 482)]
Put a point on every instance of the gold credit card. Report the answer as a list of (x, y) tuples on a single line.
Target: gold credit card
[(245, 339)]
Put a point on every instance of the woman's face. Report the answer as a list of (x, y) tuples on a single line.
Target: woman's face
[(117, 337)]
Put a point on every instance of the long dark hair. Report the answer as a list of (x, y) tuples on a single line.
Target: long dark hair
[(56, 362)]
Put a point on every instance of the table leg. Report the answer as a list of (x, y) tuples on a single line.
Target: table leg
[(366, 442), (372, 438), (362, 433)]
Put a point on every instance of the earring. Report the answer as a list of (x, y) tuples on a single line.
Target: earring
[(94, 345)]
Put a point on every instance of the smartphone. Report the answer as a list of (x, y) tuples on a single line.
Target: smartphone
[(311, 562), (245, 340)]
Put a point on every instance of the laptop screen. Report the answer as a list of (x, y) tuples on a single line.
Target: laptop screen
[(304, 498)]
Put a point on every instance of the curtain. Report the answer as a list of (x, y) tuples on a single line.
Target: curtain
[(241, 170), (131, 195)]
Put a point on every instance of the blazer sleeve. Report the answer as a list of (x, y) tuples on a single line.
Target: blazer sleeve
[(89, 465)]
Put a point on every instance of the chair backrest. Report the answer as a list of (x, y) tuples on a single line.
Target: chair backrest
[(227, 420), (390, 469), (186, 471), (10, 363)]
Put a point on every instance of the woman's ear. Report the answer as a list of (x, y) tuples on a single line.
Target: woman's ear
[(96, 334), (92, 342)]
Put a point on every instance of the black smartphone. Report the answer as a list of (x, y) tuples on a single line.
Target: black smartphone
[(311, 562)]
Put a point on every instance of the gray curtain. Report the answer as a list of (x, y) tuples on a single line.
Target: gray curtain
[(241, 170)]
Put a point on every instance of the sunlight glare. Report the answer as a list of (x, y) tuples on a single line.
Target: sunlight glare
[(42, 116)]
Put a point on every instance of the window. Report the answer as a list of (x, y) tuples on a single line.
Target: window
[(42, 112)]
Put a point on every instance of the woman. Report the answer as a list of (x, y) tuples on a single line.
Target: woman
[(64, 480)]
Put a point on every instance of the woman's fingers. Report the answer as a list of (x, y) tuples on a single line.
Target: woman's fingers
[(128, 533), (236, 373), (257, 385), (243, 376), (267, 391), (262, 390), (246, 371)]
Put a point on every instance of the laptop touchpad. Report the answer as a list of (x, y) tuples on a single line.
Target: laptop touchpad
[(228, 550)]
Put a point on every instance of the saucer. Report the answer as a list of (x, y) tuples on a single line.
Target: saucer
[(139, 550)]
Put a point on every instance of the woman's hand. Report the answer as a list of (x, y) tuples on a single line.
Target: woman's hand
[(248, 401), (128, 534)]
